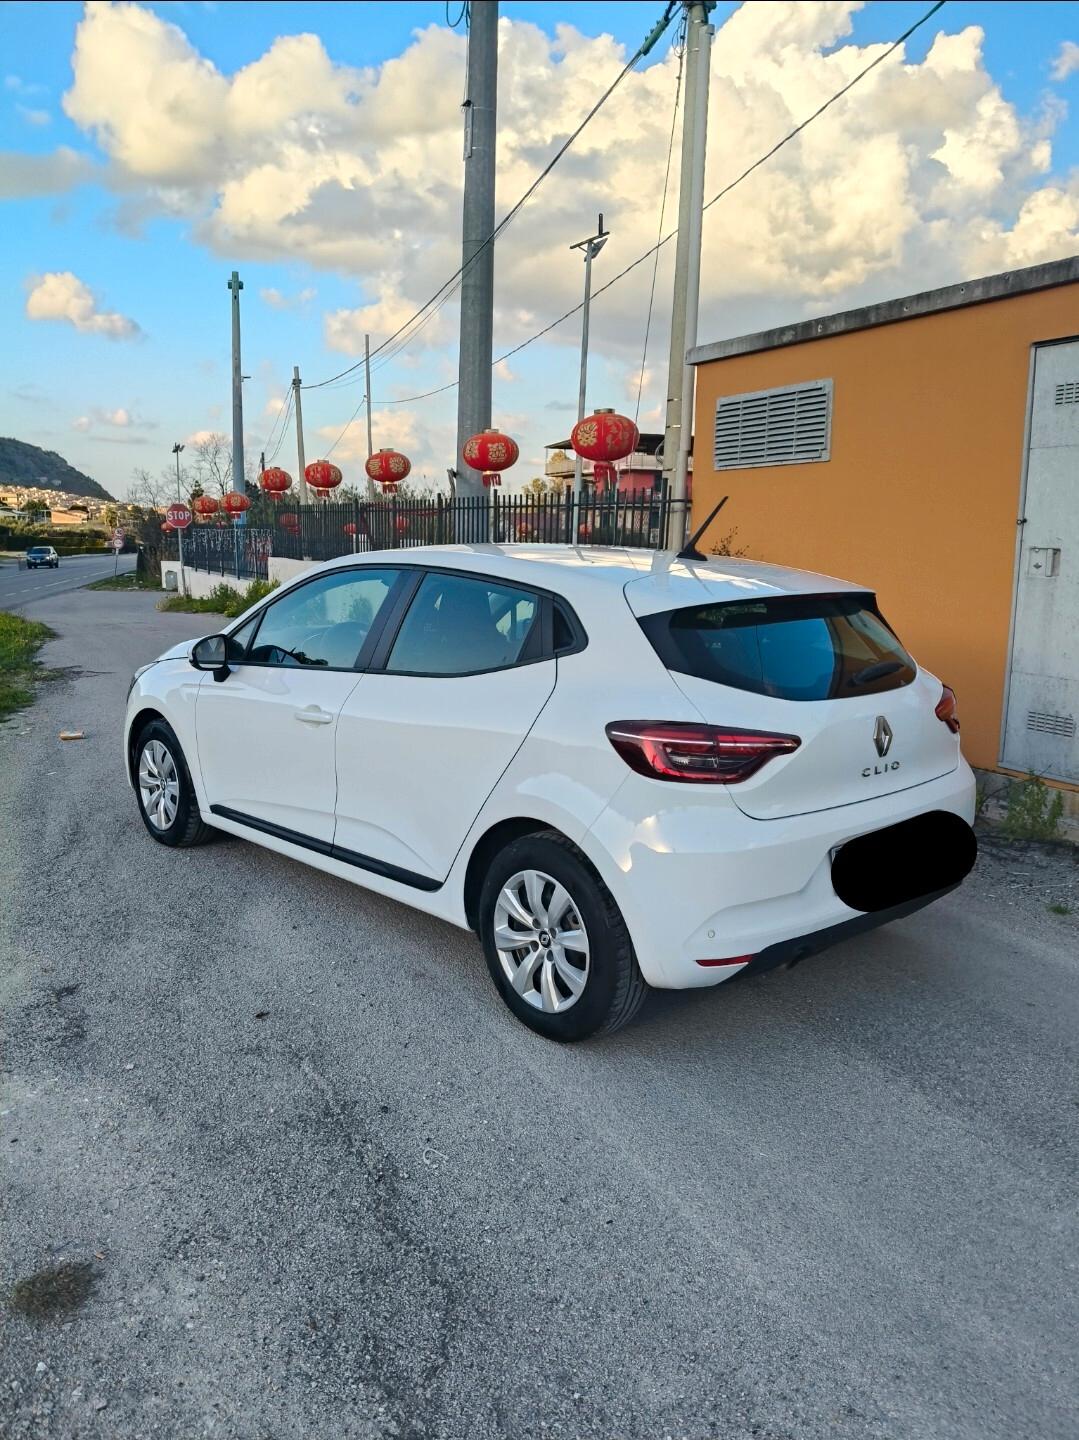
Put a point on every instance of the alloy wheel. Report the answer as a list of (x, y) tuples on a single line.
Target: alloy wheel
[(541, 941), (159, 784)]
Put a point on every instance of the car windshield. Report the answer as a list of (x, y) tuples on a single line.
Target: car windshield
[(38, 550), (794, 647)]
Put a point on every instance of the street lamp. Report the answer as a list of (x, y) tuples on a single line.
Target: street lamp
[(176, 451), (591, 247)]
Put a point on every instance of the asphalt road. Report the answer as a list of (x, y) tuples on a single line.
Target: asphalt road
[(19, 588), (302, 1176)]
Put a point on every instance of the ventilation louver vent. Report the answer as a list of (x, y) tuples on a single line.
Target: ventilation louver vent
[(1067, 393), (1049, 724), (790, 426)]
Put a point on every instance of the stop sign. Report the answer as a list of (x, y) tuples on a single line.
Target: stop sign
[(179, 515)]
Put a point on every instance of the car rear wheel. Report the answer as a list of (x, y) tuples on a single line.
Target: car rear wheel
[(555, 941), (167, 801)]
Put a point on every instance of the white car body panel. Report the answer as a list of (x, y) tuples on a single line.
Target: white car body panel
[(695, 872)]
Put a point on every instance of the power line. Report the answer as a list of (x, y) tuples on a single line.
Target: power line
[(516, 350), (642, 50), (348, 424), (285, 413)]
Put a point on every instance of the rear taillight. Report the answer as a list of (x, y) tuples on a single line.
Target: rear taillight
[(671, 750), (948, 710)]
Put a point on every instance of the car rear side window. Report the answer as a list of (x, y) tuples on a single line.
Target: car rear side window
[(458, 625), (793, 647)]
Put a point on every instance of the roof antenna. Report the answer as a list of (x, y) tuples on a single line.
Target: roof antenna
[(689, 550)]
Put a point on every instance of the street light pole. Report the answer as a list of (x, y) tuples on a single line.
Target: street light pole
[(591, 247), (235, 286), (302, 493), (367, 401), (179, 534)]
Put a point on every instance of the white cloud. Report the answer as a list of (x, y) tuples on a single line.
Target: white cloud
[(60, 295), (274, 406), (503, 371), (83, 422), (1066, 61), (33, 116), (22, 175), (277, 301), (119, 417)]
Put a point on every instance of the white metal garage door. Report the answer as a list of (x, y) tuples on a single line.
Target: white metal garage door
[(1042, 721)]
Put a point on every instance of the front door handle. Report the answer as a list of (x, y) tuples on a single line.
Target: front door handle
[(313, 715)]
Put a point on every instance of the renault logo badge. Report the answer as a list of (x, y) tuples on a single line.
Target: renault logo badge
[(882, 736)]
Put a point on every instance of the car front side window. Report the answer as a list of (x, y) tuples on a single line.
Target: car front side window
[(324, 623)]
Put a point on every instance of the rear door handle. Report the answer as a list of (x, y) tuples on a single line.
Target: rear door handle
[(312, 715)]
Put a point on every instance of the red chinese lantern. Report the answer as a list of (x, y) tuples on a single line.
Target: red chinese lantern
[(387, 468), (289, 521), (490, 451), (604, 436), (402, 525), (236, 502), (204, 505), (322, 476), (603, 472), (275, 481), (166, 527), (350, 528)]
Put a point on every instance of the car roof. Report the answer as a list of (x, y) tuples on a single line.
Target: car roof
[(652, 579)]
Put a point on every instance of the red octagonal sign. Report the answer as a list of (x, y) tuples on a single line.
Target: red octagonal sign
[(179, 516)]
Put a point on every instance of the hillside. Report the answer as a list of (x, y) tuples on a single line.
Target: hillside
[(29, 466)]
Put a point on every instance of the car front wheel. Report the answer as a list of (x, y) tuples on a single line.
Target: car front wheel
[(555, 941), (167, 800)]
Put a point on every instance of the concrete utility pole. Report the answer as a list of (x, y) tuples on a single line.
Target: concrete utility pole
[(179, 534), (367, 402), (591, 247), (477, 227), (678, 436), (302, 494), (236, 285)]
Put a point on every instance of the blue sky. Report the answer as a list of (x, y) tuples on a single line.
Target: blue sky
[(146, 249)]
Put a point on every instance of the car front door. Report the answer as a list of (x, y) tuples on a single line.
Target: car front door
[(427, 733), (266, 733)]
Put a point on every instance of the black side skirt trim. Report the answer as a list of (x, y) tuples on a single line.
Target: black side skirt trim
[(412, 878), (789, 952)]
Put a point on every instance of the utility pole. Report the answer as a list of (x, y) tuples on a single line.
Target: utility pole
[(302, 493), (678, 436), (591, 247), (367, 402), (477, 227), (236, 285)]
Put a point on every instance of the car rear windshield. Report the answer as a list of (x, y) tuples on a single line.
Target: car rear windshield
[(38, 550), (794, 647)]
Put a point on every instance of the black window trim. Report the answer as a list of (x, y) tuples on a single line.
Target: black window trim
[(383, 633)]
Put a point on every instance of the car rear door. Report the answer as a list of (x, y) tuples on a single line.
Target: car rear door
[(423, 739)]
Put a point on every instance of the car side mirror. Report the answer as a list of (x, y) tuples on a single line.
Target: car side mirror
[(211, 653)]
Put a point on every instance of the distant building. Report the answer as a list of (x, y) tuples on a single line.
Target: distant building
[(642, 470)]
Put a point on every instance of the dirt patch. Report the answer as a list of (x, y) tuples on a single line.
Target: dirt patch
[(57, 1291)]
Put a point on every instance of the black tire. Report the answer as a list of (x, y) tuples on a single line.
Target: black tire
[(614, 988), (187, 826)]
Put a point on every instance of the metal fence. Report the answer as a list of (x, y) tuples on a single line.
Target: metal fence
[(645, 519), (240, 550)]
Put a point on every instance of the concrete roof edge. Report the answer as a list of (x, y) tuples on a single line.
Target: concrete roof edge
[(889, 312)]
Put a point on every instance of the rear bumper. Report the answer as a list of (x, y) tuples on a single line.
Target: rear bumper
[(702, 882), (790, 952)]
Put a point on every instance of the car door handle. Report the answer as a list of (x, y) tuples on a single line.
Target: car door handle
[(312, 715)]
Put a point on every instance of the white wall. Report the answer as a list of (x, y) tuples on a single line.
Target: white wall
[(281, 569), (197, 582)]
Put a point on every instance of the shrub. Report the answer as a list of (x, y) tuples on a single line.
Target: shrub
[(222, 600), (1033, 811)]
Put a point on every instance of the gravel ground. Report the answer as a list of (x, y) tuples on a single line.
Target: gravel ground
[(280, 1166)]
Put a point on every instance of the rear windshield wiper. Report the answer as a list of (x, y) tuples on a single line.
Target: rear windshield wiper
[(876, 672)]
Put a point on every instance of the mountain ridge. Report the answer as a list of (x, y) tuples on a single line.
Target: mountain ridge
[(31, 467)]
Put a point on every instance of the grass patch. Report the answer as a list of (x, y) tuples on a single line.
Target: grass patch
[(1060, 908), (1033, 811), (20, 640), (222, 600), (131, 581)]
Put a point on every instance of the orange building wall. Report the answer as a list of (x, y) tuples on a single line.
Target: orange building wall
[(919, 500)]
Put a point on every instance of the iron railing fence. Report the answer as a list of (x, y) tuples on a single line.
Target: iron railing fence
[(644, 519), (239, 550)]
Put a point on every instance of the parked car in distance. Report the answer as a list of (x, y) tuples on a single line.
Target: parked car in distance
[(39, 555), (622, 769)]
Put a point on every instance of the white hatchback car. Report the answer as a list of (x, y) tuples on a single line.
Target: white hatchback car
[(620, 768)]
